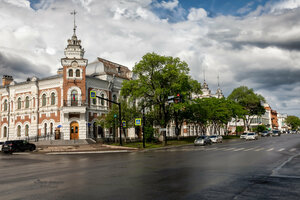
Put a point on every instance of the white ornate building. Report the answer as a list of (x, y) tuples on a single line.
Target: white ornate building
[(59, 106)]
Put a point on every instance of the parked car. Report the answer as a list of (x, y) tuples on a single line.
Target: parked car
[(251, 136), (243, 135), (276, 133), (216, 138), (1, 143), (17, 145), (202, 140), (265, 134), (220, 138)]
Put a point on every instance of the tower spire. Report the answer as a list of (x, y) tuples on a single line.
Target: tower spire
[(218, 81), (74, 13)]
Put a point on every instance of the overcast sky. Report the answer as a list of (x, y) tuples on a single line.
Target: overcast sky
[(251, 42)]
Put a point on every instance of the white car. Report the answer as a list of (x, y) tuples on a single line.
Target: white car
[(243, 136), (251, 136), (216, 138)]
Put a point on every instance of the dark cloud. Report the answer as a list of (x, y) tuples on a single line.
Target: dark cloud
[(20, 68), (269, 79)]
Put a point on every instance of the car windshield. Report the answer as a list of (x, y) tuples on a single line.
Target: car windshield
[(275, 131), (201, 137), (244, 134), (213, 136), (250, 133)]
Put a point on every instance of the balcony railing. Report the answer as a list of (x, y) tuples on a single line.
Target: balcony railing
[(74, 103)]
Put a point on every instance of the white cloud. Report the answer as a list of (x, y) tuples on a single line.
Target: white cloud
[(169, 5), (286, 4), (197, 14), (19, 3)]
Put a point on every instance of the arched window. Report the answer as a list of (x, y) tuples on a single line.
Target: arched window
[(27, 102), (5, 105), (5, 131), (102, 101), (51, 128), (44, 100), (53, 98), (45, 129), (19, 131), (19, 103), (26, 130), (70, 72), (77, 73), (74, 98)]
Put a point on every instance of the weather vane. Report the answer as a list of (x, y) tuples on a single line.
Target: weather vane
[(74, 13)]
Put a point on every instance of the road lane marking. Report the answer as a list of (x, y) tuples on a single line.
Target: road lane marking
[(229, 149), (259, 149), (281, 149), (21, 153), (293, 149), (271, 149), (211, 149), (239, 149), (250, 149)]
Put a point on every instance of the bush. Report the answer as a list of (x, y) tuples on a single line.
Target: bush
[(149, 133), (239, 129)]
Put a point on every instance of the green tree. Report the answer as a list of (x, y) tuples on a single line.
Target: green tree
[(111, 119), (250, 101), (293, 122), (157, 78)]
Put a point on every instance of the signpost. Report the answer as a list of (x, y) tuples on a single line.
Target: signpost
[(124, 124), (138, 121)]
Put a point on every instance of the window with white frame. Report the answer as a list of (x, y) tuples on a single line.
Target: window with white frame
[(19, 103), (27, 102)]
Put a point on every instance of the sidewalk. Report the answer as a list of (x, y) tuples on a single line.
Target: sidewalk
[(83, 148)]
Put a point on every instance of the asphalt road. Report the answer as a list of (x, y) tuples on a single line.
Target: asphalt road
[(268, 168)]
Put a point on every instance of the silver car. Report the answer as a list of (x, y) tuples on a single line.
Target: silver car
[(216, 138), (251, 136), (202, 140)]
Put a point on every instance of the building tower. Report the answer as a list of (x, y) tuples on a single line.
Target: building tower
[(74, 88)]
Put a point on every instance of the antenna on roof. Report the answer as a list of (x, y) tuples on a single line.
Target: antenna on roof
[(74, 13)]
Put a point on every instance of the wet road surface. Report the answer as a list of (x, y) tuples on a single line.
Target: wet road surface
[(268, 168)]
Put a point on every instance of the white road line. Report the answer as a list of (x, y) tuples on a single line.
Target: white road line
[(281, 149), (271, 149), (229, 149), (211, 149), (88, 152), (293, 149), (250, 149), (239, 149), (259, 149)]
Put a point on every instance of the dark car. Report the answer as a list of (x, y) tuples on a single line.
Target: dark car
[(17, 145), (276, 133), (265, 134)]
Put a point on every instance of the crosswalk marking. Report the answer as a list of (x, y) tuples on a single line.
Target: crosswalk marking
[(239, 149), (281, 149), (259, 149), (211, 149), (229, 149), (271, 149), (250, 149), (293, 149)]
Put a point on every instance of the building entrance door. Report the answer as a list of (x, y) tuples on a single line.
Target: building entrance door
[(74, 131)]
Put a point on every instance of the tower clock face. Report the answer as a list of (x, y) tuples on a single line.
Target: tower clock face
[(74, 64)]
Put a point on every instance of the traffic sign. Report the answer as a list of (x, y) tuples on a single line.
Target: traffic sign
[(124, 124), (138, 121), (115, 115), (93, 95)]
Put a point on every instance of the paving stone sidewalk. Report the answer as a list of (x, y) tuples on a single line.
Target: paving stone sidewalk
[(81, 148)]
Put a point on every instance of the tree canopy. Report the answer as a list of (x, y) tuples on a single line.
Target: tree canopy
[(250, 101)]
